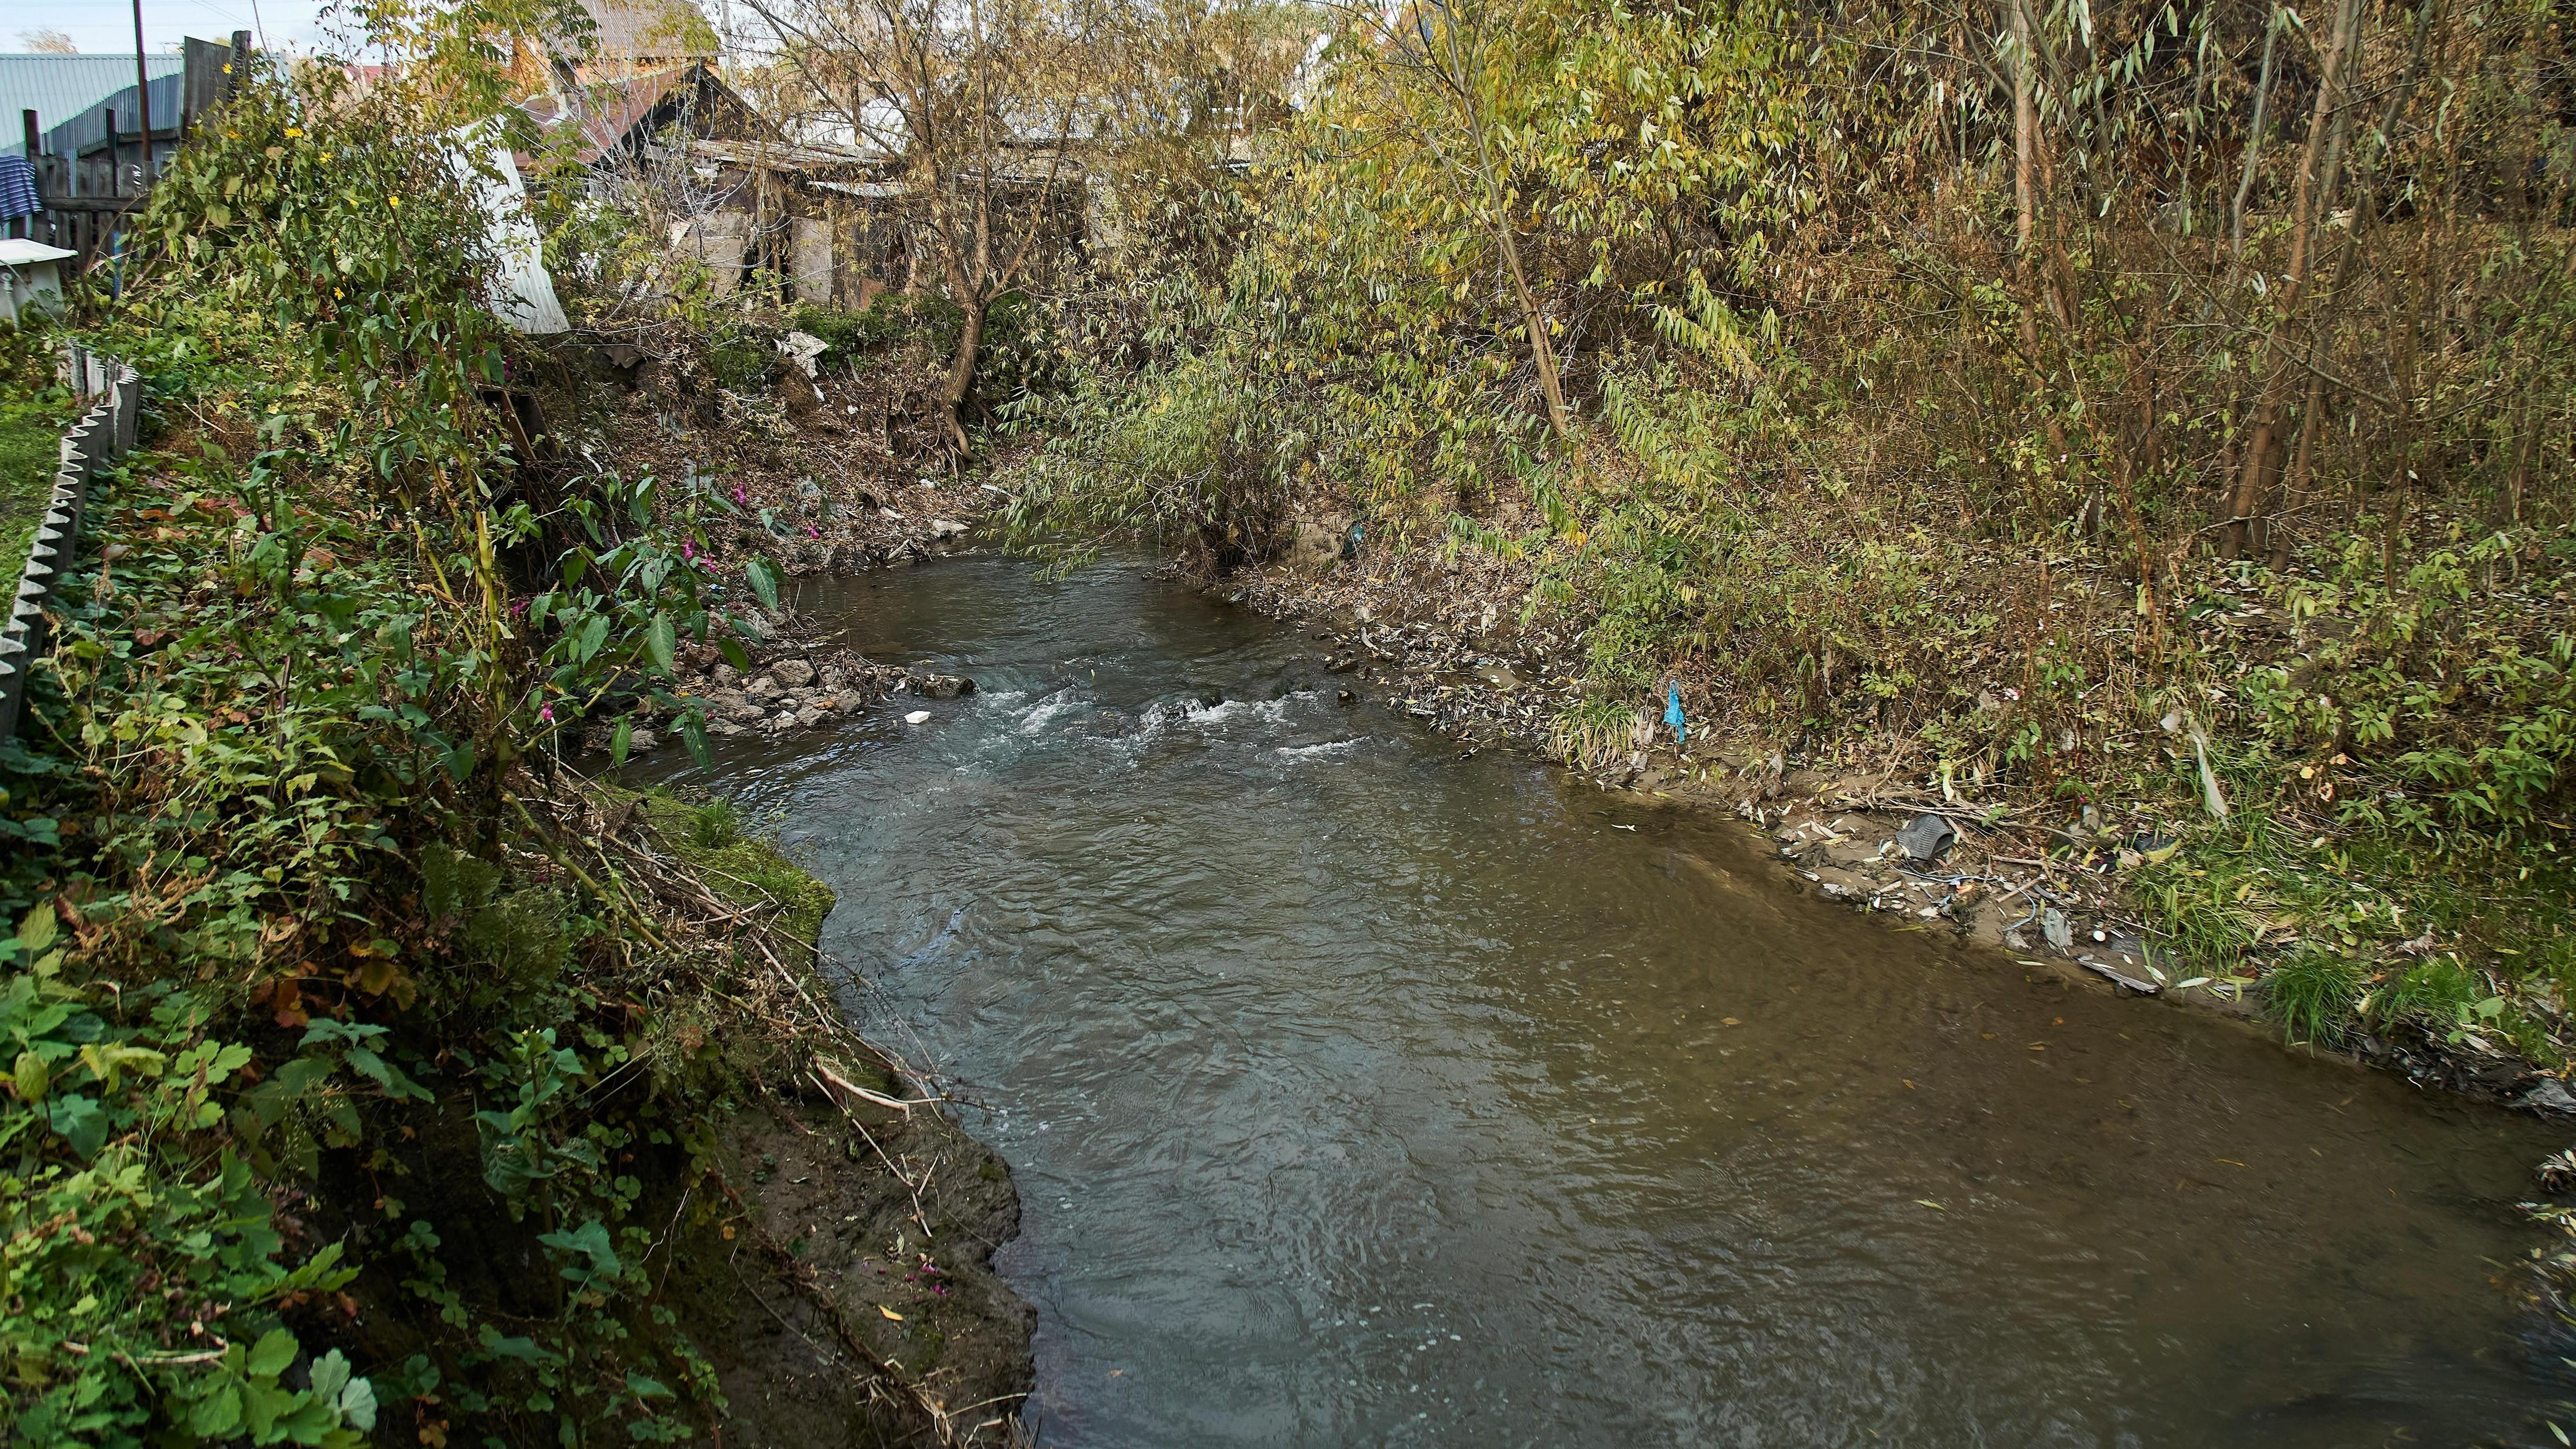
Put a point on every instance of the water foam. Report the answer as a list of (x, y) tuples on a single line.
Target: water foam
[(1048, 710), (1320, 751)]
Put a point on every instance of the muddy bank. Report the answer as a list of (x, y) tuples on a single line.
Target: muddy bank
[(844, 1292), (838, 1272), (2031, 884), (848, 1296)]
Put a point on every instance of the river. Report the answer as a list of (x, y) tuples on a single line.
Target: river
[(1362, 1090)]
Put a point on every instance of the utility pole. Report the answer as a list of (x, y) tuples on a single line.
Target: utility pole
[(142, 97)]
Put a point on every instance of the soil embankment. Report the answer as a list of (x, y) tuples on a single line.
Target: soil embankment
[(846, 1294)]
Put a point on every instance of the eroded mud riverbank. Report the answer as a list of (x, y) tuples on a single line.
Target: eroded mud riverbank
[(1364, 1090)]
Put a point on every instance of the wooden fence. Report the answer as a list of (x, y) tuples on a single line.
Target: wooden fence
[(88, 185)]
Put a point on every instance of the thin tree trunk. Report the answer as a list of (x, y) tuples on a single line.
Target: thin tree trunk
[(961, 369), (2030, 170), (2025, 137), (1542, 351), (970, 290), (2254, 136), (2302, 467), (2313, 194)]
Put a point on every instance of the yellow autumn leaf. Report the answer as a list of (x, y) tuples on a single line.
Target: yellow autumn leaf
[(890, 1313)]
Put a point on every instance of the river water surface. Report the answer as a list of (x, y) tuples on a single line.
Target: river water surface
[(1362, 1092)]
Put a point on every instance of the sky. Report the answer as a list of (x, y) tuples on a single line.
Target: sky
[(106, 27)]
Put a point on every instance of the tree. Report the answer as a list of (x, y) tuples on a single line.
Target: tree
[(1440, 50), (978, 107)]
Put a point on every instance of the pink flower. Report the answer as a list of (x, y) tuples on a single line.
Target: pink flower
[(812, 532), (738, 498), (689, 550), (547, 714)]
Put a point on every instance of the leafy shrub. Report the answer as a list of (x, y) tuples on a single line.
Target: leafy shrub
[(2439, 993), (297, 668), (890, 320)]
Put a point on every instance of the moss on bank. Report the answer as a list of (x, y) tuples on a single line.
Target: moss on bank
[(739, 866)]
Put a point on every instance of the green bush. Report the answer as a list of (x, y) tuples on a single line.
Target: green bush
[(299, 920), (2439, 994), (891, 319)]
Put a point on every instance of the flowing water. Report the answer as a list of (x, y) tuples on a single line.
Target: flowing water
[(1361, 1091)]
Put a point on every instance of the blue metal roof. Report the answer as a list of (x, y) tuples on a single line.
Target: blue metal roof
[(60, 88), (78, 133)]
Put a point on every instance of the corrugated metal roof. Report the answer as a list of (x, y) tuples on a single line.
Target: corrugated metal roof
[(60, 87), (612, 109), (78, 132)]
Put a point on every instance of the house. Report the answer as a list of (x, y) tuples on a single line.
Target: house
[(803, 213), (619, 119), (681, 150), (826, 223)]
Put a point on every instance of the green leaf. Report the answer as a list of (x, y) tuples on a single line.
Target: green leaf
[(763, 580), (358, 1404), (659, 641), (33, 1079), (644, 1388), (262, 1403), (218, 1414), (587, 639), (330, 1371), (618, 742), (309, 1420), (272, 1355), (734, 654), (693, 733), (590, 1240), (38, 929), (395, 1081), (81, 1122)]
